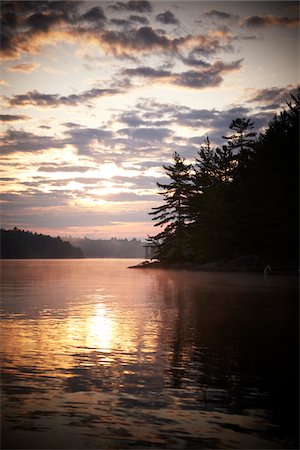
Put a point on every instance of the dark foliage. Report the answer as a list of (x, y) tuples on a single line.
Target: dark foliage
[(24, 244), (241, 199), (172, 242)]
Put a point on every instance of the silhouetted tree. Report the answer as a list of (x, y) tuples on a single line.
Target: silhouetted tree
[(240, 199), (269, 192), (209, 205), (174, 214)]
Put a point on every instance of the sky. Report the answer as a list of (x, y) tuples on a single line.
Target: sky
[(97, 96)]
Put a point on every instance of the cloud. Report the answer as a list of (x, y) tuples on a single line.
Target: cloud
[(94, 14), (129, 197), (12, 118), (43, 22), (27, 25), (86, 140), (139, 19), (220, 15), (24, 67), (270, 21), (167, 18), (133, 5), (27, 28), (120, 22), (147, 72), (213, 42), (14, 141), (4, 83), (35, 98), (143, 39), (207, 75), (192, 61), (63, 168), (271, 98), (147, 134), (131, 119)]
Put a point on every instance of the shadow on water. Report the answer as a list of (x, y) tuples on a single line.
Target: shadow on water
[(148, 358)]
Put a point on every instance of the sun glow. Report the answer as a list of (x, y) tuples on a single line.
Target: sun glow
[(101, 330)]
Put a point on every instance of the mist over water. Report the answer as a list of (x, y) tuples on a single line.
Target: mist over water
[(96, 355)]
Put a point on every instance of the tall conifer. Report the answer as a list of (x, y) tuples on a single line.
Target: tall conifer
[(173, 215)]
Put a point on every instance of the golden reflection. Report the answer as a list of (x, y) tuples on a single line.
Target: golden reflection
[(53, 343), (100, 331)]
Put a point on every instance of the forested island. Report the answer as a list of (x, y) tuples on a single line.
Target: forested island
[(238, 204), (21, 244)]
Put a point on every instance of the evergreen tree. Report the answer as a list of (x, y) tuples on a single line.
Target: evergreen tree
[(269, 194), (238, 200), (241, 144), (209, 203), (173, 215)]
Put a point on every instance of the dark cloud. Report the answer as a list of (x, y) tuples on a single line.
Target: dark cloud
[(206, 75), (120, 22), (42, 22), (143, 39), (63, 168), (133, 5), (35, 198), (27, 28), (82, 138), (220, 15), (129, 197), (147, 72), (8, 179), (270, 21), (139, 19), (146, 134), (271, 98), (212, 43), (12, 118), (71, 125), (211, 76), (35, 98), (94, 14), (167, 18), (26, 23), (14, 141), (192, 61), (131, 119)]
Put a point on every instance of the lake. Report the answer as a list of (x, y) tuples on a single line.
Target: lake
[(99, 356)]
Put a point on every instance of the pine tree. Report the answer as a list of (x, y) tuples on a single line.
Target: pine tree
[(173, 215), (209, 202), (241, 144)]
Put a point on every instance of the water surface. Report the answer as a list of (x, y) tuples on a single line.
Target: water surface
[(98, 356)]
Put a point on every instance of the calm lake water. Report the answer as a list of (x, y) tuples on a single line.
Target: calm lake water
[(99, 356)]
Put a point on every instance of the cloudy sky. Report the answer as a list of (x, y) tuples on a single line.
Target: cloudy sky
[(98, 95)]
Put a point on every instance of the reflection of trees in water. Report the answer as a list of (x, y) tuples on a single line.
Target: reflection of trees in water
[(241, 339)]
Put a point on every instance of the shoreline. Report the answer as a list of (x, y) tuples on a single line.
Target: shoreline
[(223, 267)]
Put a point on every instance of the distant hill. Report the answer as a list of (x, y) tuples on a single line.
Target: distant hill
[(109, 248), (17, 243)]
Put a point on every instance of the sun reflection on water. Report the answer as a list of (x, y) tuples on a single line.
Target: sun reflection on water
[(101, 329)]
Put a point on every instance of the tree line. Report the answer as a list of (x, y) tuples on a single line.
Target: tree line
[(109, 248), (241, 198), (21, 244)]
